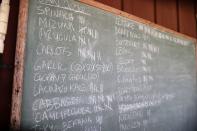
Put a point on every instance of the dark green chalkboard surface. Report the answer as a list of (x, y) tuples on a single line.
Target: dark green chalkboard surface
[(86, 69)]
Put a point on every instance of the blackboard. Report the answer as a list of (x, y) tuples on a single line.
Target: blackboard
[(86, 68)]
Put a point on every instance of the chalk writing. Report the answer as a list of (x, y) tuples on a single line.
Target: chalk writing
[(89, 70)]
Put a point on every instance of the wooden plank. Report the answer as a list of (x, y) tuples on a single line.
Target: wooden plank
[(19, 65), (113, 3), (166, 13), (141, 8), (187, 22)]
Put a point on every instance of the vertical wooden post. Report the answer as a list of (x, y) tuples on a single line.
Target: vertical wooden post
[(19, 65)]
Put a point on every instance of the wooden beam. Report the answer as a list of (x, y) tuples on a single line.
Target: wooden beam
[(19, 66)]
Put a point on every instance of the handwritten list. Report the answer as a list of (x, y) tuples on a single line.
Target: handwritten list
[(92, 71)]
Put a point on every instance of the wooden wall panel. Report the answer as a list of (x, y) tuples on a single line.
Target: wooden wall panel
[(6, 73), (141, 8), (196, 17), (166, 13), (113, 3), (196, 12), (187, 21)]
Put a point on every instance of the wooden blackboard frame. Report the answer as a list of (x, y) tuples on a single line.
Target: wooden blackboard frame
[(20, 51)]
